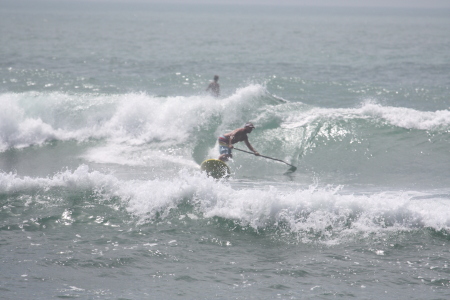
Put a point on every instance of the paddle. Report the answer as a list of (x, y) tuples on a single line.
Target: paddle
[(291, 169)]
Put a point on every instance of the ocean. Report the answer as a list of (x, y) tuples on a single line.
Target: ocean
[(105, 120)]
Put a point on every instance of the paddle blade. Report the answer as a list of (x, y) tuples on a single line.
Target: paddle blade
[(291, 170)]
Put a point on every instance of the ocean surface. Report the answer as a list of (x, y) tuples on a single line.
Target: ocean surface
[(104, 121)]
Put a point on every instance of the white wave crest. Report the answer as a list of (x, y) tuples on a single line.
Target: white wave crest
[(397, 116), (409, 118), (81, 178), (313, 214), (22, 125), (135, 118)]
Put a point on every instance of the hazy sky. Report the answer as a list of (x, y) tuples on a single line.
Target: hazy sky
[(403, 3), (375, 3), (354, 3)]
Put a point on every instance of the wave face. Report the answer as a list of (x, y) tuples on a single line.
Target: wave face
[(362, 170), (368, 143), (297, 215)]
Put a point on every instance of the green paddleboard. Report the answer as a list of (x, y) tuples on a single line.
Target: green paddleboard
[(215, 168)]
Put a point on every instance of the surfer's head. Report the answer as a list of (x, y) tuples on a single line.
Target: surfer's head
[(249, 127), (216, 78)]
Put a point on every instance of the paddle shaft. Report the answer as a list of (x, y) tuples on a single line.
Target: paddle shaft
[(265, 157)]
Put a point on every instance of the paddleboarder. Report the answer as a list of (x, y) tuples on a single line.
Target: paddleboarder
[(214, 87), (227, 140)]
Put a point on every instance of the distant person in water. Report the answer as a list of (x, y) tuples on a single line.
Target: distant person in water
[(214, 87), (227, 140)]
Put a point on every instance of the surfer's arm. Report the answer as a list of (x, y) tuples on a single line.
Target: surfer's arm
[(250, 147), (230, 138)]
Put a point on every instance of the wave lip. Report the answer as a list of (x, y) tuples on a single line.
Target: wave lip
[(396, 116), (34, 118), (313, 214), (409, 118), (324, 215)]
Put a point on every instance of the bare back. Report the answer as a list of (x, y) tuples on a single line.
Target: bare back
[(237, 135), (214, 87)]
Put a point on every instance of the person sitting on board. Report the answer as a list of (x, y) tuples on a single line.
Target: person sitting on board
[(214, 87), (227, 140)]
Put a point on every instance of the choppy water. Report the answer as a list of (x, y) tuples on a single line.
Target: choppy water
[(104, 120)]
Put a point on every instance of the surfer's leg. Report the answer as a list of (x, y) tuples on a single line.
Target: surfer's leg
[(225, 153)]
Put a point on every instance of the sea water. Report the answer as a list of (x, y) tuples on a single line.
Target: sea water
[(104, 121)]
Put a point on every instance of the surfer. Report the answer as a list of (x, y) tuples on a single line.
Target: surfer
[(227, 140), (214, 87)]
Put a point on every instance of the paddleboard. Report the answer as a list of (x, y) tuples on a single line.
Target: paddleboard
[(215, 168)]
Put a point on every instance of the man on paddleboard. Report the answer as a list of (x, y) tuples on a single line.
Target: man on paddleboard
[(227, 140)]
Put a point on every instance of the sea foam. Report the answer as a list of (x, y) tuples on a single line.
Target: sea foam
[(396, 116), (134, 118), (311, 214)]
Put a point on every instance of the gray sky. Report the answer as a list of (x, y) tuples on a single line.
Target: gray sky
[(341, 3)]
